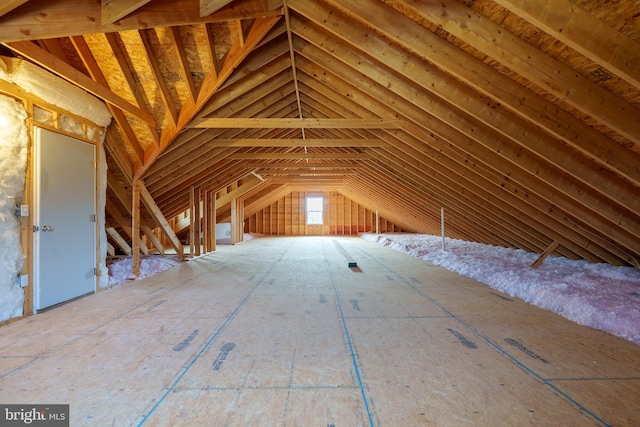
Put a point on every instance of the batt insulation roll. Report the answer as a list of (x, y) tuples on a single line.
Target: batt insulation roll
[(53, 90), (13, 160)]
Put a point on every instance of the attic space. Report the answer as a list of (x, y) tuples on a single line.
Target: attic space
[(497, 139)]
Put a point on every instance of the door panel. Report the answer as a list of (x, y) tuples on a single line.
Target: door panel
[(64, 244)]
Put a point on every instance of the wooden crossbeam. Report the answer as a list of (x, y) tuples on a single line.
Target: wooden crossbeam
[(114, 10), (294, 123), (308, 165), (160, 219), (552, 247), (307, 173), (292, 142), (291, 156), (113, 233), (61, 18)]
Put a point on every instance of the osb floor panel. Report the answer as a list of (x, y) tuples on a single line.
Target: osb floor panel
[(280, 332)]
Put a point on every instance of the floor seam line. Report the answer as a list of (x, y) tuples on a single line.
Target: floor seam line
[(476, 332), (206, 346), (346, 332)]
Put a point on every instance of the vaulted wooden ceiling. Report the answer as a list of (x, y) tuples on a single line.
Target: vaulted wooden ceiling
[(520, 117)]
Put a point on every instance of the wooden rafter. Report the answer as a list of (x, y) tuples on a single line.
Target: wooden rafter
[(174, 35), (207, 7), (157, 74), (209, 86), (502, 89), (120, 54), (67, 72), (118, 115), (528, 61), (114, 10), (8, 5), (292, 55), (583, 32), (46, 19), (554, 182), (211, 48)]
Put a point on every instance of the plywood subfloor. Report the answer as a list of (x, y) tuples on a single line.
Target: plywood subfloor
[(280, 332)]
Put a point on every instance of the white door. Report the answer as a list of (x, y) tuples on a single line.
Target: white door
[(65, 227)]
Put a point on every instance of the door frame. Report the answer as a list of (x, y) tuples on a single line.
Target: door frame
[(35, 214)]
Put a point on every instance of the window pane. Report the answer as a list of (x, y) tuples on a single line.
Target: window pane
[(314, 210)]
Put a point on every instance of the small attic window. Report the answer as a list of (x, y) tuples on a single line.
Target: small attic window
[(314, 210)]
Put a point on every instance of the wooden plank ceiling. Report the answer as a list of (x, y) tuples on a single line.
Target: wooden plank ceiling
[(520, 117)]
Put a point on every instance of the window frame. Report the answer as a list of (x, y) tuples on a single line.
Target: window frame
[(313, 216)]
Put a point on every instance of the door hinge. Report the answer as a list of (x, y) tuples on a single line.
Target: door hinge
[(96, 272), (92, 218)]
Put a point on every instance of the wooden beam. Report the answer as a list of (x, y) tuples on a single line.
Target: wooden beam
[(294, 123), (119, 117), (135, 228), (160, 219), (157, 75), (113, 233), (552, 182), (552, 247), (583, 32), (119, 156), (307, 173), (114, 10), (62, 69), (206, 221), (298, 156), (174, 35), (120, 54), (290, 142), (535, 198), (153, 238), (207, 7), (237, 220), (125, 225), (8, 5), (512, 95), (213, 221), (307, 165), (525, 59), (45, 19), (239, 191), (208, 88)]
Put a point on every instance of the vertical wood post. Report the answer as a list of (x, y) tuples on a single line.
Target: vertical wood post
[(377, 222), (192, 202), (197, 224), (442, 226), (213, 220), (206, 224), (135, 228), (237, 220)]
